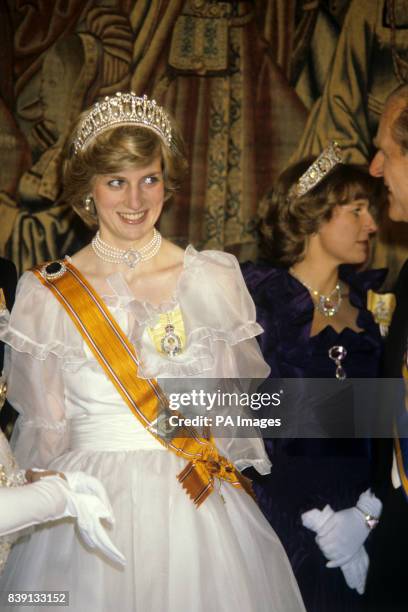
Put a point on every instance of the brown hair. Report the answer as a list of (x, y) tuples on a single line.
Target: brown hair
[(117, 149), (290, 221)]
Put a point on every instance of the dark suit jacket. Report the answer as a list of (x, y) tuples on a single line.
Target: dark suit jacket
[(8, 281), (394, 351), (397, 337)]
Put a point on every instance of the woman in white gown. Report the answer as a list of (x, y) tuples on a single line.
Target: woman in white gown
[(185, 314)]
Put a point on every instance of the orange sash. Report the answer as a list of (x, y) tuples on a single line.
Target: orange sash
[(144, 397)]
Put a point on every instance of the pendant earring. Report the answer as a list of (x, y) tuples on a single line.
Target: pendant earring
[(89, 205)]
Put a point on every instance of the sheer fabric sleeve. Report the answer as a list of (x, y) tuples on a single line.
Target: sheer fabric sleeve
[(238, 360), (35, 390), (216, 303), (33, 369)]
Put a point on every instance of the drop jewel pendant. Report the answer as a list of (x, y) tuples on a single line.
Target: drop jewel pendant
[(337, 354)]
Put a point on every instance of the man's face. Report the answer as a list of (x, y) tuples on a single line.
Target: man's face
[(391, 163)]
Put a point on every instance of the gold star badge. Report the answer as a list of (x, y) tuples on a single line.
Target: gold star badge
[(3, 304), (382, 306)]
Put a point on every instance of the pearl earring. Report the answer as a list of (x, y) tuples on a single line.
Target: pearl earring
[(89, 205)]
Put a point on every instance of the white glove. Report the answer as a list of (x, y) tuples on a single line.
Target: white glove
[(88, 502), (355, 570), (50, 498), (343, 534), (315, 519)]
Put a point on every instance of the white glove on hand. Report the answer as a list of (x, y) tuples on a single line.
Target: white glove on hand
[(355, 571), (341, 535), (315, 519), (345, 531), (88, 502)]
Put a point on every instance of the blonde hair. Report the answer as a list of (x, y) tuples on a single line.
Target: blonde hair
[(114, 150)]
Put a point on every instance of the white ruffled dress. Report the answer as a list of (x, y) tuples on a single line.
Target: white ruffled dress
[(223, 556)]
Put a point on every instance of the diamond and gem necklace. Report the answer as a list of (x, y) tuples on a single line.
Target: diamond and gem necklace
[(327, 305)]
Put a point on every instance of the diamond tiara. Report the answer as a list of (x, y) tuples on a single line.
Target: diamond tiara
[(122, 109), (327, 160)]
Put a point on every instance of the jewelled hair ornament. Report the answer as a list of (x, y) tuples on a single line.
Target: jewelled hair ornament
[(122, 109), (327, 160)]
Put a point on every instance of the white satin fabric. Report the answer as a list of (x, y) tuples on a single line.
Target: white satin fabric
[(120, 432), (223, 556)]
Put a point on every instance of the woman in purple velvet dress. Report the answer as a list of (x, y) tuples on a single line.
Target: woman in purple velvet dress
[(317, 496)]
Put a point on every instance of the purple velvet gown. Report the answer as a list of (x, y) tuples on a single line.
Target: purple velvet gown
[(310, 473)]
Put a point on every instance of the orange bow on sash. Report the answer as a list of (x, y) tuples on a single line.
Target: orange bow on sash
[(144, 397)]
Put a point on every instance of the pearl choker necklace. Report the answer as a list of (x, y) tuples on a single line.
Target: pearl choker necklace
[(327, 305), (130, 257)]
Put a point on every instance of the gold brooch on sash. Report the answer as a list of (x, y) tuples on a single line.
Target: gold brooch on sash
[(168, 335), (382, 306)]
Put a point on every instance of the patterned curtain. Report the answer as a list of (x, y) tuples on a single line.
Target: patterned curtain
[(370, 60), (221, 68)]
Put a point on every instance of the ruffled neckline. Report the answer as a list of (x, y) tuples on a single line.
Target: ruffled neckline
[(290, 298), (198, 356), (123, 296), (213, 299), (285, 309)]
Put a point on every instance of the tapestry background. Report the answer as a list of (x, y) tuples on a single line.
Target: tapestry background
[(252, 84)]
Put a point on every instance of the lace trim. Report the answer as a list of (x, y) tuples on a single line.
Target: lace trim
[(10, 476), (6, 543)]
